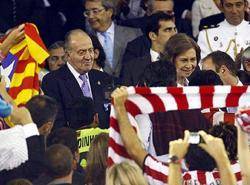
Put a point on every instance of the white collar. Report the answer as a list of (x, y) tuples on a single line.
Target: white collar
[(186, 82), (239, 83), (110, 30), (74, 72), (226, 23), (154, 55)]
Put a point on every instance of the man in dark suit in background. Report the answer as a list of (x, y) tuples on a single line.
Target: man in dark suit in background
[(76, 79), (160, 28), (141, 45)]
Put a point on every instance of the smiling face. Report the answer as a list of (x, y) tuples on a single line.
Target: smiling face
[(234, 10), (98, 16), (186, 63), (81, 52)]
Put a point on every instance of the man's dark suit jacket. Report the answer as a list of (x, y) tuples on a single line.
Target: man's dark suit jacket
[(136, 48), (32, 168), (133, 70), (62, 85)]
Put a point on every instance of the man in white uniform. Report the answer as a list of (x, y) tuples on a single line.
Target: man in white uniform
[(231, 35)]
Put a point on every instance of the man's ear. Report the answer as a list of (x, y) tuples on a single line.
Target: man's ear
[(110, 12), (223, 69), (152, 35), (96, 53)]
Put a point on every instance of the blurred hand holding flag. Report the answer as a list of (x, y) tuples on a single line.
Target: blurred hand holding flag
[(22, 65)]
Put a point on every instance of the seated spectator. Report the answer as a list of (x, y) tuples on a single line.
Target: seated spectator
[(156, 32), (212, 145), (221, 63), (19, 182), (125, 173), (57, 56), (97, 160), (184, 53), (99, 57), (59, 163), (43, 110), (244, 60)]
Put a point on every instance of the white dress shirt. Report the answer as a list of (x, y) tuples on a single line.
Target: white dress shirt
[(77, 76), (13, 148), (110, 31), (154, 55)]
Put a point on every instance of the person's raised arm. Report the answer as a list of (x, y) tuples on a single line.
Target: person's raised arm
[(128, 134), (4, 93), (15, 36), (177, 151), (243, 153), (214, 146)]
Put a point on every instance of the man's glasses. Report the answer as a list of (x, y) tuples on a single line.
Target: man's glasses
[(95, 11)]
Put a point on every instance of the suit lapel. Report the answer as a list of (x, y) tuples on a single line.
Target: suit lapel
[(118, 41), (71, 83)]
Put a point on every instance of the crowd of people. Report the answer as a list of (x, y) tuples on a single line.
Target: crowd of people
[(97, 48)]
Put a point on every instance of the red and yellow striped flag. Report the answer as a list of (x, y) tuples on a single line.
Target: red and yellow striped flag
[(28, 55)]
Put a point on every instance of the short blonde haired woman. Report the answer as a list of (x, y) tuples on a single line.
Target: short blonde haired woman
[(125, 173)]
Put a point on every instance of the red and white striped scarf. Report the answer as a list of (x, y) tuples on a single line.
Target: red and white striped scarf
[(161, 99)]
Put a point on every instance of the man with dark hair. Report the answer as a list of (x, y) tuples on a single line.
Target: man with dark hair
[(68, 138), (207, 77), (161, 74), (160, 28), (58, 161), (57, 54), (221, 63), (43, 110), (198, 159), (230, 35), (141, 45)]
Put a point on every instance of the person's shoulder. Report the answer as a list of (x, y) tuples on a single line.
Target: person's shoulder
[(57, 74), (211, 21), (128, 30)]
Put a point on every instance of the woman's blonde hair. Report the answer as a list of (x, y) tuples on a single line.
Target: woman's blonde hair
[(97, 160), (125, 173)]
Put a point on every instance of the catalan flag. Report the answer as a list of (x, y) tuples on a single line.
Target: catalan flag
[(22, 65)]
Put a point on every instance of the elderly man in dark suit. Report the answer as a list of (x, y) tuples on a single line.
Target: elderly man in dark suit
[(159, 29), (76, 79), (113, 38)]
